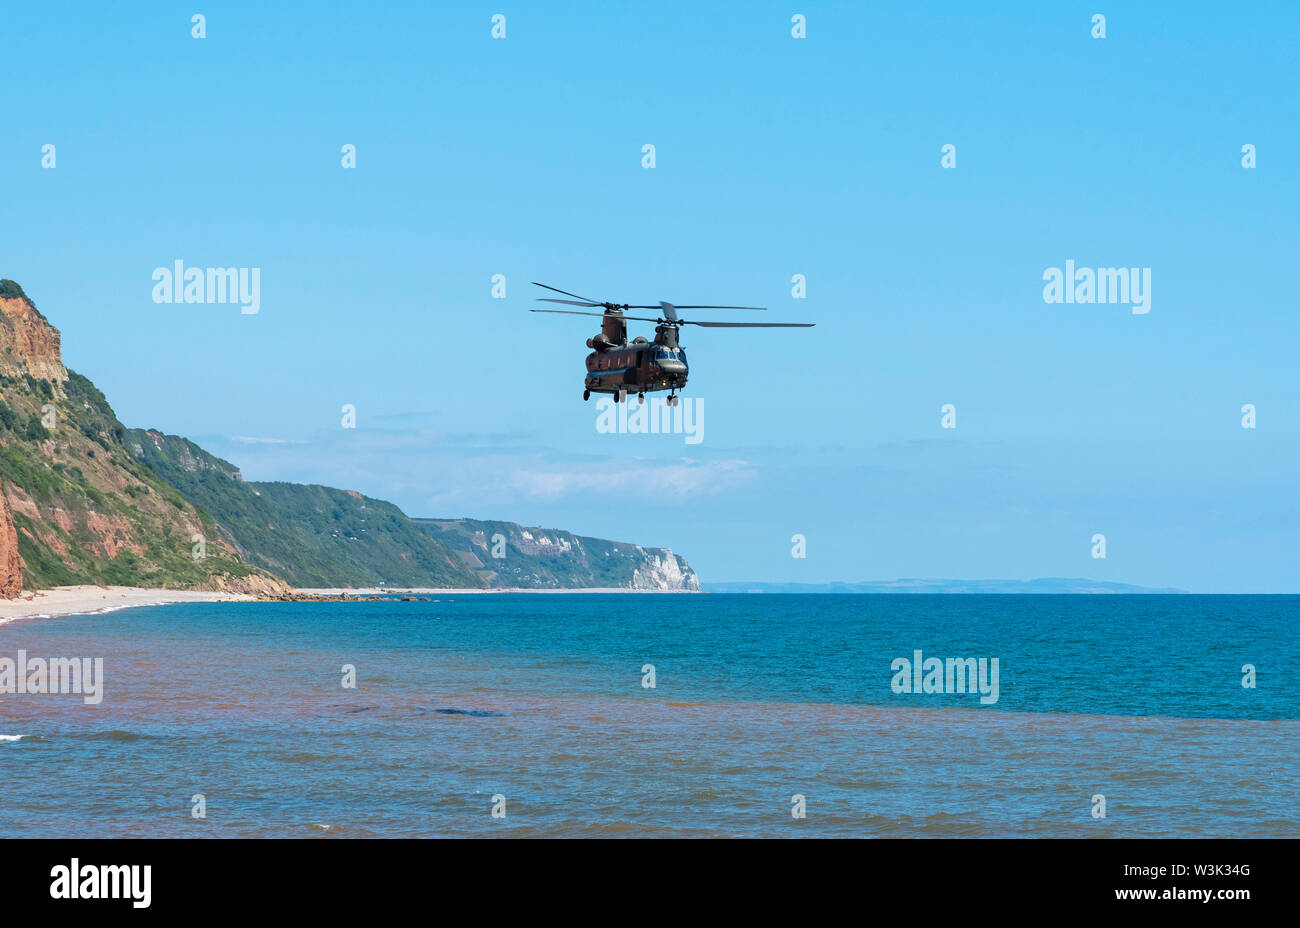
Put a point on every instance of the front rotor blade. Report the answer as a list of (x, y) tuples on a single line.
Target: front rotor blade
[(547, 299), (752, 325), (669, 311), (566, 312), (567, 293)]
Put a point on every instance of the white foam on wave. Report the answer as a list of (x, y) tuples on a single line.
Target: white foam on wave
[(15, 618), (12, 737)]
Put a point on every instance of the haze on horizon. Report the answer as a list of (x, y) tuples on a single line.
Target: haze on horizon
[(774, 157)]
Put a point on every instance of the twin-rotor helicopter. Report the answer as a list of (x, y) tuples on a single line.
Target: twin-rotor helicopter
[(642, 366)]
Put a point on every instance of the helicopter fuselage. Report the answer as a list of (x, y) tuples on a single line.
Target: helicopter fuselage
[(640, 366)]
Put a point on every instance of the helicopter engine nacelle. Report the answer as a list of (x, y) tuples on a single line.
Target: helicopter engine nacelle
[(666, 335), (600, 342)]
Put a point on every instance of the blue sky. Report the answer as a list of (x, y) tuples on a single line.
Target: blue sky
[(775, 156)]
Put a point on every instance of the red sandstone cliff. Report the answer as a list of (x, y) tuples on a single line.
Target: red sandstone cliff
[(31, 344), (11, 563)]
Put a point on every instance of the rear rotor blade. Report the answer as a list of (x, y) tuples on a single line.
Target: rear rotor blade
[(547, 299), (680, 306)]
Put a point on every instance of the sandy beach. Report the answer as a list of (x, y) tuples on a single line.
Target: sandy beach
[(77, 600), (427, 591)]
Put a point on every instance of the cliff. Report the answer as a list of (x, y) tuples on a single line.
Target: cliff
[(28, 343), (80, 508), (505, 554), (663, 570), (313, 536), (317, 536), (11, 562)]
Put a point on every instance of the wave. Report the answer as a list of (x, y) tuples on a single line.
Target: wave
[(115, 734), (16, 618), (101, 611), (476, 713)]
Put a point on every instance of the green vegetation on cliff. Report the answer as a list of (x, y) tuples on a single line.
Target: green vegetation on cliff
[(313, 536), (11, 289), (85, 511), (316, 536)]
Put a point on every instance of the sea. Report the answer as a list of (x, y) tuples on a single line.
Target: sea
[(663, 715)]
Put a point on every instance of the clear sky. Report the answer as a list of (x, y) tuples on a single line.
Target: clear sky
[(775, 156)]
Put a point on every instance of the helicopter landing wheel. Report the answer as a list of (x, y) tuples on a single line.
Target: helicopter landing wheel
[(640, 398), (618, 396), (586, 395)]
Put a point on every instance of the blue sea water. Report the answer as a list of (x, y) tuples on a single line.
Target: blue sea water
[(539, 699)]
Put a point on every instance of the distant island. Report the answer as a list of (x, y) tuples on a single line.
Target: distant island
[(908, 585)]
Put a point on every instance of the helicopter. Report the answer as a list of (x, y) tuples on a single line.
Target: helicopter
[(642, 366)]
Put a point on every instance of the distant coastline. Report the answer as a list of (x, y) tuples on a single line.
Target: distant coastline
[(911, 585)]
